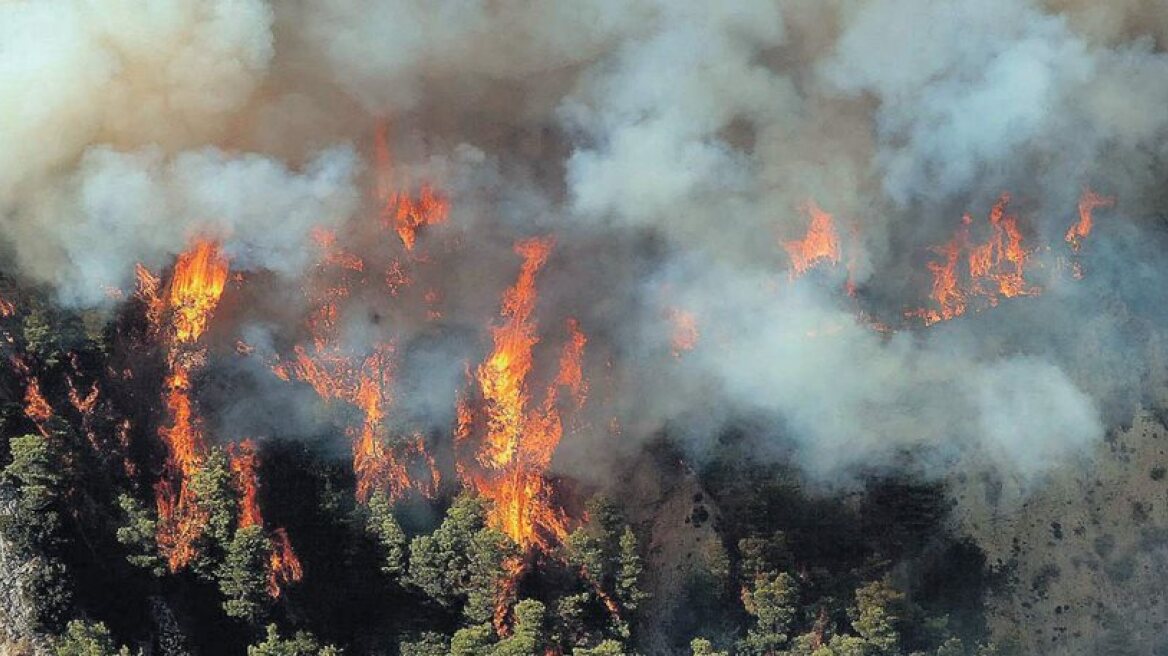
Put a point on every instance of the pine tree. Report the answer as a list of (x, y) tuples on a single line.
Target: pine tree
[(87, 639), (703, 647), (772, 601), (138, 535), (476, 640), (428, 643), (33, 526), (243, 577), (628, 589), (876, 616), (301, 644), (605, 648), (390, 535), (529, 635)]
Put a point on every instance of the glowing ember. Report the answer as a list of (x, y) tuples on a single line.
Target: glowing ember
[(820, 244)]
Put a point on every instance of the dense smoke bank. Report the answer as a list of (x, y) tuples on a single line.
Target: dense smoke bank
[(675, 157)]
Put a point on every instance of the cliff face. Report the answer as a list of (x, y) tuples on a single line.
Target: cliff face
[(683, 550), (17, 635), (1084, 553)]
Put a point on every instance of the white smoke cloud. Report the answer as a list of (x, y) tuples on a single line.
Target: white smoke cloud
[(700, 127), (122, 208)]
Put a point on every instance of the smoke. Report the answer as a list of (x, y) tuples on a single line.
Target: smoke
[(669, 147)]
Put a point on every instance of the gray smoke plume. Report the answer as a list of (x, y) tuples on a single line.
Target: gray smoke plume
[(671, 148)]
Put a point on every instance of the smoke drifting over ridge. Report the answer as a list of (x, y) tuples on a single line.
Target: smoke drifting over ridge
[(670, 149)]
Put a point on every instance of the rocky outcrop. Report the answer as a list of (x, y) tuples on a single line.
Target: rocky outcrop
[(17, 619)]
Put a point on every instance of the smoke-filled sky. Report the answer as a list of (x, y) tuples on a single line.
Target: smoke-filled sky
[(671, 148)]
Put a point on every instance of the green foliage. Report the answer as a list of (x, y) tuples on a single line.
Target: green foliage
[(138, 535), (477, 640), (703, 647), (571, 625), (35, 473), (440, 562), (490, 551), (46, 586), (951, 647), (628, 589), (876, 616), (762, 556), (605, 648), (844, 645), (243, 577), (214, 490), (389, 534), (772, 601), (426, 644), (49, 333), (528, 636), (32, 526), (462, 561), (301, 644), (86, 639), (604, 551)]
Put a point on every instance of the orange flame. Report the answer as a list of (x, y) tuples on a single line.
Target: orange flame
[(1088, 203), (429, 208), (519, 439), (403, 213), (995, 268), (199, 278), (200, 275), (36, 407), (819, 244), (337, 375), (243, 466), (283, 564)]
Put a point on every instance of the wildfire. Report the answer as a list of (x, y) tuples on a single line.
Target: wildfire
[(200, 275), (428, 208), (199, 278), (403, 213), (995, 268), (519, 437), (819, 244), (1088, 203), (243, 466), (283, 565), (365, 383), (36, 407)]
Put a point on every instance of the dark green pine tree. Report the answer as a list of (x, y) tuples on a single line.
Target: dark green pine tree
[(390, 535), (243, 576)]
